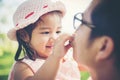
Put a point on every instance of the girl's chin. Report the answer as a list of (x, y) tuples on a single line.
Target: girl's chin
[(49, 53)]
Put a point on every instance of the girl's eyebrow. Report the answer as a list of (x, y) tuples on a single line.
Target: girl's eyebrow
[(59, 27), (43, 28)]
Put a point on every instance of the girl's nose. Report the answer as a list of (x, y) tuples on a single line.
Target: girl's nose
[(53, 37)]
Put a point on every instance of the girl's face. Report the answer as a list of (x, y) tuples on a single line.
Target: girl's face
[(45, 34)]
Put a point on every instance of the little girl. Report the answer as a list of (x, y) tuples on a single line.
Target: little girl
[(37, 26)]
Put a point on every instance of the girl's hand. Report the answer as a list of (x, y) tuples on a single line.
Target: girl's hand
[(62, 45)]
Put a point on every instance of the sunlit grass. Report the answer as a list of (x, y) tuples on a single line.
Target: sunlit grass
[(84, 75), (6, 61), (7, 51)]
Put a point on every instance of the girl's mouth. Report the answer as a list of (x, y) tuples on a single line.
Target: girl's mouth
[(50, 47)]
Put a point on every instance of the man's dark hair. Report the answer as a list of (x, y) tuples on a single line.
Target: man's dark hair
[(106, 18)]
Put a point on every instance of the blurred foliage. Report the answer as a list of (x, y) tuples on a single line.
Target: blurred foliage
[(1, 3), (3, 19), (84, 75), (7, 51)]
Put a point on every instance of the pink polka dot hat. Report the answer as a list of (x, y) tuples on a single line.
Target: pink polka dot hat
[(30, 11)]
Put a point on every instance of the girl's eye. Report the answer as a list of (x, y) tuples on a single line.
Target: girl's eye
[(58, 32), (45, 32)]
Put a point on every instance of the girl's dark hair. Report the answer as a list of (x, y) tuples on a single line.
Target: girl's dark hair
[(24, 37), (106, 18)]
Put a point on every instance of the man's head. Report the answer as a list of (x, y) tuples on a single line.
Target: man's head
[(106, 18), (98, 37)]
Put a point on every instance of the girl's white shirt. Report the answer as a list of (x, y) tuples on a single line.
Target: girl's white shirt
[(68, 70)]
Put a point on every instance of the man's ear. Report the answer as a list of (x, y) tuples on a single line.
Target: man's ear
[(105, 49)]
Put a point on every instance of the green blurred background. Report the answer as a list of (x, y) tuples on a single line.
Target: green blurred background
[(7, 51), (7, 47)]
